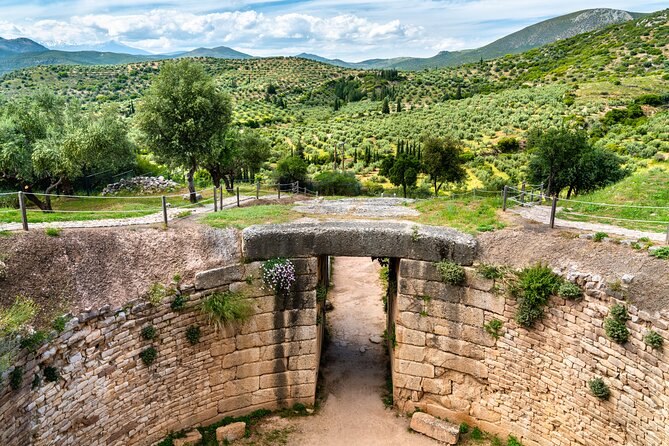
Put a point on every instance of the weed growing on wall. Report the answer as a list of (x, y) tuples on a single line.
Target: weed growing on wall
[(279, 276), (59, 324), (226, 308), (149, 333), (599, 236), (599, 388), (570, 291), (494, 328), (179, 302), (33, 341), (51, 374), (22, 311), (16, 378), (533, 288), (193, 334), (653, 339), (513, 441), (148, 356), (614, 325), (489, 271), (156, 294), (451, 272)]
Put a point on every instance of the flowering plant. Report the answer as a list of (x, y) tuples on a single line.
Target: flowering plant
[(279, 275)]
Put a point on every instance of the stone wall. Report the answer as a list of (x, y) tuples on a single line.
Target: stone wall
[(107, 396), (532, 383)]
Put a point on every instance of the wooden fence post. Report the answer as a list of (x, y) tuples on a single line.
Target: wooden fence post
[(553, 208), (220, 198), (522, 193), (667, 239), (164, 200), (257, 190), (504, 195), (237, 196), (215, 200), (278, 188), (24, 212)]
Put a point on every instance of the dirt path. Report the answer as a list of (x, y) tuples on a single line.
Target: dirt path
[(542, 214), (353, 413)]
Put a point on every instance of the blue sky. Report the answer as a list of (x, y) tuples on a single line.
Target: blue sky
[(348, 29)]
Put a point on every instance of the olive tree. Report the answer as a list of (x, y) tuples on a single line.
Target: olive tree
[(183, 116), (443, 161)]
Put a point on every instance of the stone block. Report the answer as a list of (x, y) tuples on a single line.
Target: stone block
[(415, 368), (358, 239), (455, 312), (217, 277), (192, 438), (434, 428), (484, 300), (417, 269), (408, 336), (231, 432), (474, 280), (434, 290)]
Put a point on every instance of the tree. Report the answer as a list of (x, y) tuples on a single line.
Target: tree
[(291, 169), (443, 161), (508, 145), (563, 159), (399, 105), (45, 144), (385, 107), (183, 116), (401, 170)]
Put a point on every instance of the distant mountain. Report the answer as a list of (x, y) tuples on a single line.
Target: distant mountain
[(533, 36), (19, 46), (105, 47), (220, 52)]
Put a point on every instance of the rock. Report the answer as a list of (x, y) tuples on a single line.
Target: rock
[(627, 278), (186, 197), (586, 236), (328, 305), (192, 438), (375, 339), (231, 432), (141, 185), (3, 270), (363, 349), (443, 431), (627, 242)]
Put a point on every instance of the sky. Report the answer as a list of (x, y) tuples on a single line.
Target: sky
[(352, 30)]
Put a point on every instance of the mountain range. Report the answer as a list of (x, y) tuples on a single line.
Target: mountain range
[(23, 52)]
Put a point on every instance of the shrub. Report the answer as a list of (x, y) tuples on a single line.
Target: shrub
[(599, 388), (179, 302), (616, 330), (451, 272), (149, 333), (33, 341), (570, 291), (59, 324), (321, 293), (226, 308), (534, 287), (619, 312), (493, 328), (599, 236), (16, 378), (51, 374), (156, 293), (279, 275), (508, 145), (513, 441), (148, 356), (53, 232), (193, 334), (337, 183), (653, 339), (464, 428), (489, 271), (22, 311), (661, 253), (476, 434)]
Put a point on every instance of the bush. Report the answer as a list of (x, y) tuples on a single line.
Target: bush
[(513, 441), (489, 271), (653, 339), (616, 330), (51, 374), (53, 232), (149, 333), (534, 287), (291, 169), (193, 334), (16, 378), (337, 183), (148, 356), (599, 388), (279, 275), (226, 308), (179, 303), (599, 236), (476, 434), (508, 145), (464, 428), (661, 253), (22, 311), (570, 291), (493, 328), (619, 312), (156, 293), (33, 341), (59, 324), (451, 272)]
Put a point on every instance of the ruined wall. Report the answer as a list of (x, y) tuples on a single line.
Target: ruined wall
[(532, 383), (107, 396)]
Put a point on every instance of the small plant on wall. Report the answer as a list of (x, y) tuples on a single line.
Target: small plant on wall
[(451, 272), (614, 325), (148, 356), (653, 339), (149, 333), (226, 308), (532, 289), (279, 276), (16, 378), (494, 328), (193, 334), (599, 388), (51, 374)]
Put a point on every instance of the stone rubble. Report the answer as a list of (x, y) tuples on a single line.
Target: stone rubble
[(141, 185)]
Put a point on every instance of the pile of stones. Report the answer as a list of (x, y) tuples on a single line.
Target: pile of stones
[(141, 185)]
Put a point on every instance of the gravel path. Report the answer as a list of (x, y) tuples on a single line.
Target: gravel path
[(359, 207), (542, 214), (172, 214)]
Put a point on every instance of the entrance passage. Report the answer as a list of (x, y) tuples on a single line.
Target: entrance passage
[(354, 369)]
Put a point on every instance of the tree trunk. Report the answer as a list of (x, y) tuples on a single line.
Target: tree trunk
[(228, 187), (191, 185), (47, 196), (36, 201), (571, 188), (404, 187)]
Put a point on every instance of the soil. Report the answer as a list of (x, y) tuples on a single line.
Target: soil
[(354, 369), (533, 243), (89, 268)]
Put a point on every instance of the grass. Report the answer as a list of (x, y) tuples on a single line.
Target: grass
[(470, 215), (242, 217), (22, 311), (226, 308), (647, 187)]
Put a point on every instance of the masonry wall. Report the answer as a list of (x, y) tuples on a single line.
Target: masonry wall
[(532, 383), (107, 396)]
